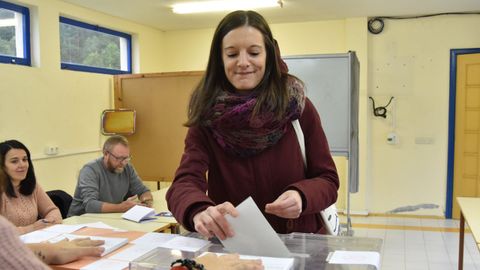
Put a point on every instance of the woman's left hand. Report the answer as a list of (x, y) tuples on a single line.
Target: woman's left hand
[(287, 205), (66, 251)]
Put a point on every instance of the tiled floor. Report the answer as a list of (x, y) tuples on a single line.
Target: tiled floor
[(417, 243)]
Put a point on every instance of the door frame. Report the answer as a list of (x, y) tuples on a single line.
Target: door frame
[(451, 124)]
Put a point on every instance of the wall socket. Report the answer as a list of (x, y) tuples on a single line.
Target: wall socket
[(392, 138), (51, 150)]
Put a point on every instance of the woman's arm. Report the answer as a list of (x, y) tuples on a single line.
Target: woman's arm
[(14, 254), (66, 251), (37, 225), (47, 210), (322, 191), (187, 197)]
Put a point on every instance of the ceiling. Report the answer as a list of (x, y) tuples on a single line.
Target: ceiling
[(157, 13)]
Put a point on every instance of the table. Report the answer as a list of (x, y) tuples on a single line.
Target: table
[(469, 212), (131, 235), (120, 223), (159, 204), (309, 250)]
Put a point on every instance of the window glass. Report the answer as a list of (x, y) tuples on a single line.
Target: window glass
[(14, 34), (91, 48)]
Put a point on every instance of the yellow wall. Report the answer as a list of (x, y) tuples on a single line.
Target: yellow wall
[(44, 105), (410, 60)]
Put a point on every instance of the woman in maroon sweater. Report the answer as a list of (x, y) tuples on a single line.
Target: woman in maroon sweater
[(241, 143)]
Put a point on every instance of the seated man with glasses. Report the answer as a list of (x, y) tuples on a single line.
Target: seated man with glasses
[(105, 184)]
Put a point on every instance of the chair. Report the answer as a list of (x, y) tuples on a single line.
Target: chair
[(61, 199)]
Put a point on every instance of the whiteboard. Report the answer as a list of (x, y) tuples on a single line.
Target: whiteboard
[(331, 83), (328, 85)]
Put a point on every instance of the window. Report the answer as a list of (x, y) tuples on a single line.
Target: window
[(14, 34), (91, 48)]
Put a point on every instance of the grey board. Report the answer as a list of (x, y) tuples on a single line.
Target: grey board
[(331, 82)]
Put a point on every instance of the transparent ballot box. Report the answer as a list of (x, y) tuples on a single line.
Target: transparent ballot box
[(310, 251)]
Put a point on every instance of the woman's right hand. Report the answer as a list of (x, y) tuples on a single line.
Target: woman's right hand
[(37, 225), (212, 221)]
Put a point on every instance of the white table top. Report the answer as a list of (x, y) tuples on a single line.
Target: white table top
[(470, 208)]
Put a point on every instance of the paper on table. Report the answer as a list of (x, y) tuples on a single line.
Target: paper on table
[(139, 213), (186, 243), (171, 241), (99, 225), (106, 264), (253, 233), (355, 257), (64, 228), (131, 253), (154, 239), (38, 236), (269, 263)]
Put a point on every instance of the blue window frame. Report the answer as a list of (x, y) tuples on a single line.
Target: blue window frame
[(91, 48), (14, 34)]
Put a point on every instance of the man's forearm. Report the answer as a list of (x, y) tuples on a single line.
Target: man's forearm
[(113, 208)]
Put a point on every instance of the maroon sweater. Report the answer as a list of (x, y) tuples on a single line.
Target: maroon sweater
[(264, 176)]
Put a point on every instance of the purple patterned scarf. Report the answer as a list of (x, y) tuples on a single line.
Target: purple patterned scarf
[(238, 133)]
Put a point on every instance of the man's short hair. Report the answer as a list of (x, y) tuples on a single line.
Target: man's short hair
[(114, 140)]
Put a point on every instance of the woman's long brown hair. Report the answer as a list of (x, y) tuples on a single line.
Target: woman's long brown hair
[(273, 94)]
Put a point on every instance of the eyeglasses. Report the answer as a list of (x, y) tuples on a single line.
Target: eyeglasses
[(120, 159)]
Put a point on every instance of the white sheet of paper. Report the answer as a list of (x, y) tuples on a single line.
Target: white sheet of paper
[(38, 236), (171, 241), (64, 228), (131, 253), (99, 225), (253, 233), (269, 263), (154, 239), (139, 213), (186, 243), (106, 264), (355, 257)]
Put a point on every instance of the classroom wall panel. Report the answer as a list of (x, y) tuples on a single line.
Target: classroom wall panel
[(160, 101)]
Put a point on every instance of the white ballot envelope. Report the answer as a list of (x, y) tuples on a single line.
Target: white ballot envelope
[(253, 233), (139, 213)]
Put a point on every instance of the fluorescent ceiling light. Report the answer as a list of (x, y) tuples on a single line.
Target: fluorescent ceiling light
[(223, 5)]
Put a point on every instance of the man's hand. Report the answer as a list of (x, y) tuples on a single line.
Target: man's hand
[(212, 221), (146, 199), (147, 202), (129, 203), (287, 205)]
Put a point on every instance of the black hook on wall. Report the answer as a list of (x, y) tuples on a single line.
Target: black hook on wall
[(380, 110)]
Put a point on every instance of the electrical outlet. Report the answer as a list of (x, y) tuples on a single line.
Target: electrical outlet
[(51, 150), (392, 138)]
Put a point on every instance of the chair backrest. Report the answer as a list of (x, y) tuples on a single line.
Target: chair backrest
[(61, 199)]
